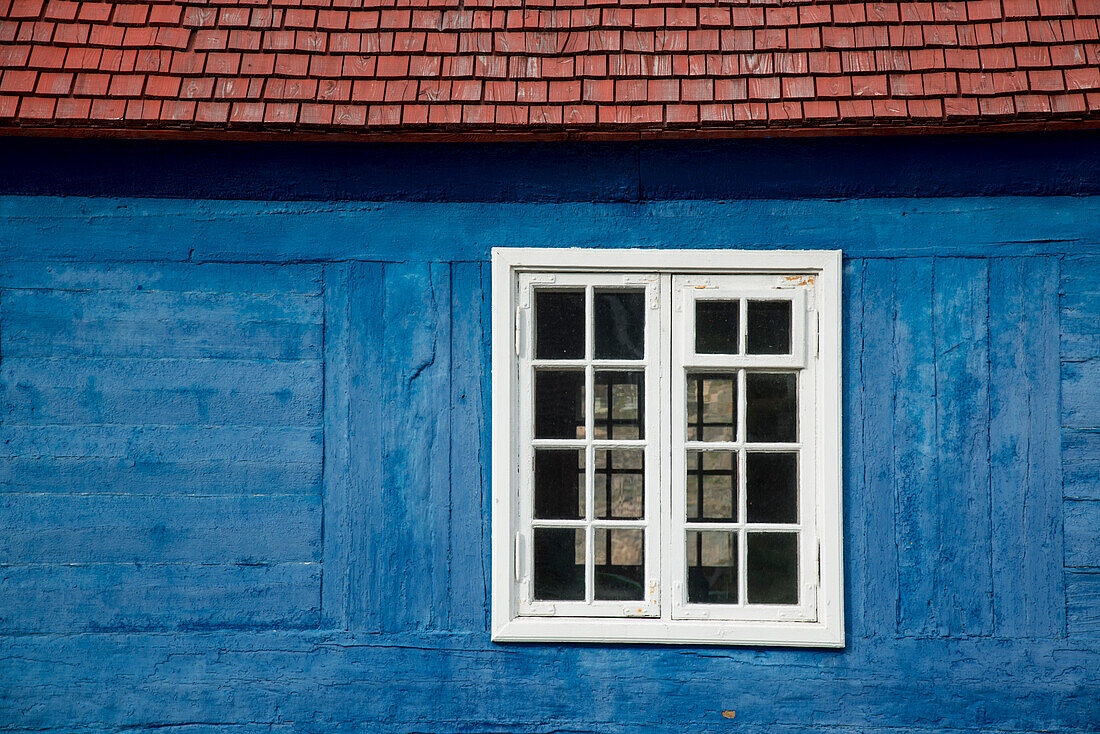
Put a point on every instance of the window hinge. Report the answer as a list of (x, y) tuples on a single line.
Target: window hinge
[(519, 329), (517, 556), (816, 321)]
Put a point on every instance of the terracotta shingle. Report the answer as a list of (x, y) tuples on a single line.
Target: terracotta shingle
[(557, 64)]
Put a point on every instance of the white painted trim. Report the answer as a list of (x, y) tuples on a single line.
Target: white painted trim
[(825, 267)]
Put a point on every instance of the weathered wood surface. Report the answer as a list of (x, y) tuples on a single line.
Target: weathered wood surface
[(258, 528), (181, 230), (1080, 441), (161, 455)]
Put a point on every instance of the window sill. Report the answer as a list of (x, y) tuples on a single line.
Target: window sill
[(676, 632)]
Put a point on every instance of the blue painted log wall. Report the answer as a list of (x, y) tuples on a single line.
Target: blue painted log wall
[(244, 445)]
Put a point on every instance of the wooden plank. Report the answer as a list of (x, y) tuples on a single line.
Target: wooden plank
[(193, 277), (163, 443), (157, 324), (57, 528), (1083, 603), (1082, 520), (962, 569), (413, 564), (1080, 274), (1081, 393), (1026, 505), (107, 228), (855, 518), (877, 496), (915, 472), (337, 507), (353, 448), (468, 577), (160, 391), (1080, 326), (427, 684), (368, 496), (135, 475), (1081, 464), (118, 597)]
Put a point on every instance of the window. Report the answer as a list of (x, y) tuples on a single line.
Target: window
[(666, 446)]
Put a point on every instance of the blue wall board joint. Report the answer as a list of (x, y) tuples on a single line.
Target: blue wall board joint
[(245, 436)]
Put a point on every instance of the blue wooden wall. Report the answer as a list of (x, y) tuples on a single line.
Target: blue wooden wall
[(244, 441)]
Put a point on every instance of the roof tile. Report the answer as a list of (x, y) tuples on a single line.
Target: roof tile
[(346, 64)]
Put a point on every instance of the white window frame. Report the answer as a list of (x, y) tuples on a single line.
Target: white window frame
[(812, 280)]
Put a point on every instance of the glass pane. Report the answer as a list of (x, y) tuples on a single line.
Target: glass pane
[(773, 568), (619, 403), (771, 407), (712, 567), (620, 324), (559, 564), (559, 484), (712, 407), (712, 485), (620, 564), (559, 324), (771, 487), (716, 327), (620, 484), (559, 404), (769, 327)]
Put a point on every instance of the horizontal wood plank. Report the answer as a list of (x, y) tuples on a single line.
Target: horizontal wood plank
[(151, 277), (135, 475), (57, 528), (160, 392), (1081, 464), (1082, 522), (112, 596)]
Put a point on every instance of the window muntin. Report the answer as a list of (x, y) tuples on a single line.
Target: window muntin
[(658, 434)]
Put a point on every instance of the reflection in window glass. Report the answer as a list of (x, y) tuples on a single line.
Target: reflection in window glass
[(559, 324), (559, 484), (772, 567), (769, 329), (712, 485), (559, 404), (771, 407), (712, 407), (559, 564), (620, 563), (620, 324), (619, 405), (771, 487), (619, 484), (716, 327), (712, 567)]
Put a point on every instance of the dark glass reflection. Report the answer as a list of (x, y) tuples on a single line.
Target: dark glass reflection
[(711, 485), (712, 407), (619, 405), (772, 568), (771, 407), (559, 484), (620, 324), (559, 564), (771, 487), (769, 327), (716, 327), (620, 564), (712, 567), (619, 484), (559, 404), (559, 324)]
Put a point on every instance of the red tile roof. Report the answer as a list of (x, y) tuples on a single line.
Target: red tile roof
[(545, 65)]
